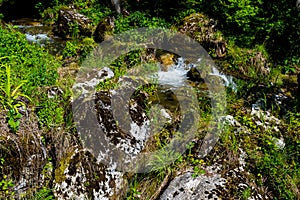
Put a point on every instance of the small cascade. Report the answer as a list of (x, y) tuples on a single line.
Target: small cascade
[(176, 75), (35, 32), (228, 81)]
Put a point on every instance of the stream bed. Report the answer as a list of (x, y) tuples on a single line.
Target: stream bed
[(41, 34)]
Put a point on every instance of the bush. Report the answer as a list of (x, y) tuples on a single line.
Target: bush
[(138, 20), (28, 62)]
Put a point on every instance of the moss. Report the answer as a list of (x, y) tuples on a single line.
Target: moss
[(60, 171)]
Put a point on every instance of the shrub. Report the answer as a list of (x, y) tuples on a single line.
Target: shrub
[(137, 20), (28, 61)]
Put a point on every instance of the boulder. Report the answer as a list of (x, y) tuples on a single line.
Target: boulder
[(203, 29), (104, 26), (166, 60), (259, 63), (70, 23), (187, 186), (194, 75), (79, 176)]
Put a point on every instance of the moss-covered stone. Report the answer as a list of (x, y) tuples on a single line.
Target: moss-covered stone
[(203, 29), (70, 23)]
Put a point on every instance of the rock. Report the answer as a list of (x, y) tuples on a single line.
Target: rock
[(24, 163), (279, 143), (167, 60), (104, 26), (229, 120), (203, 29), (79, 176), (116, 4), (186, 186), (71, 23), (194, 75), (260, 64), (264, 119), (92, 79), (222, 180)]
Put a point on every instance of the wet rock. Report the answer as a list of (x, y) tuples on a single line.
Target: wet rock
[(167, 60), (92, 79), (105, 26), (71, 23), (194, 75), (203, 29), (224, 179)]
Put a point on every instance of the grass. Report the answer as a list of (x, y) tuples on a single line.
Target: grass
[(272, 171)]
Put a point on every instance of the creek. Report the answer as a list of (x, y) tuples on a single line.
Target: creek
[(41, 34)]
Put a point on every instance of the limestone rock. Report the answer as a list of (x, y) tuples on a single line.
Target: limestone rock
[(79, 176), (203, 29), (186, 186), (71, 23), (259, 63), (104, 26)]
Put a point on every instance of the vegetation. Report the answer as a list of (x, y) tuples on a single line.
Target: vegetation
[(262, 53)]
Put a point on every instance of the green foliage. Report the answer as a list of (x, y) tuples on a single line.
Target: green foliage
[(44, 7), (27, 61), (5, 183), (10, 99), (70, 50), (281, 172), (290, 64), (50, 112), (256, 22), (136, 20), (78, 48), (28, 67), (9, 95), (94, 9), (44, 194), (13, 120)]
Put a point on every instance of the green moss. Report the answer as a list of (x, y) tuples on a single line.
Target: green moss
[(63, 164)]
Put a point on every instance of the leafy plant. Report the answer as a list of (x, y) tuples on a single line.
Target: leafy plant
[(5, 183), (44, 194), (9, 95), (137, 20), (10, 100), (28, 61)]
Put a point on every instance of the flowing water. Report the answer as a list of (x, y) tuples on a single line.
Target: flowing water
[(40, 34), (176, 75)]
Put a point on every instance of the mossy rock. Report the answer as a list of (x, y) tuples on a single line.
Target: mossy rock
[(103, 28), (71, 23), (203, 29), (245, 63), (79, 176)]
